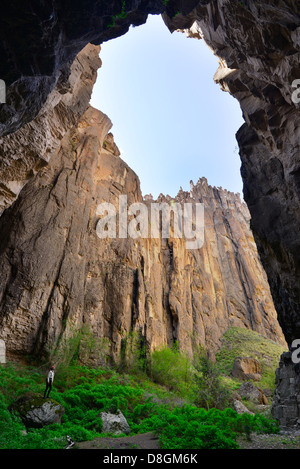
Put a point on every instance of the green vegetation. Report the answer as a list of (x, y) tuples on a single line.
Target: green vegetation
[(186, 403), (170, 368), (210, 391)]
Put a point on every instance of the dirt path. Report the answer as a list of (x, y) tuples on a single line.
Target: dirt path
[(143, 441), (150, 441)]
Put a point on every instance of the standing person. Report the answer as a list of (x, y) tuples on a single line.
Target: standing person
[(49, 382)]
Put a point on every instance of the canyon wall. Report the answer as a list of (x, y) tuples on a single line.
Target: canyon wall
[(24, 152), (258, 47), (58, 275)]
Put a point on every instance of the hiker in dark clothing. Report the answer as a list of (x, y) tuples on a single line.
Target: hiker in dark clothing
[(49, 382)]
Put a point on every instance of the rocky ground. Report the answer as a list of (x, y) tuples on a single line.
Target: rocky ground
[(269, 441), (149, 441)]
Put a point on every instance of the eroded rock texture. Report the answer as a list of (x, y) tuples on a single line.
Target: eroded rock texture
[(24, 152), (58, 275), (285, 406), (258, 46)]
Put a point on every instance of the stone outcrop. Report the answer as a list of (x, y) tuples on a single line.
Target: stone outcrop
[(57, 275), (240, 408), (246, 368), (259, 71), (286, 401), (24, 152), (114, 423), (253, 393), (37, 412)]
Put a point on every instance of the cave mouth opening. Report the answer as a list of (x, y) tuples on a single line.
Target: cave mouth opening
[(171, 121)]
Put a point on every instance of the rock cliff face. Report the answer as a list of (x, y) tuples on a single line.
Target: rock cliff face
[(285, 406), (258, 47), (58, 275), (24, 152), (259, 71), (40, 40)]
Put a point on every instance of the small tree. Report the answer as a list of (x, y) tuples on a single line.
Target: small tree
[(133, 354), (209, 391), (171, 368)]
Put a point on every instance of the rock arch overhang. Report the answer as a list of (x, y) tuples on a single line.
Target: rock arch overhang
[(258, 45)]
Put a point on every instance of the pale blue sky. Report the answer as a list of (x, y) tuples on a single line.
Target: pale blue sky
[(171, 122)]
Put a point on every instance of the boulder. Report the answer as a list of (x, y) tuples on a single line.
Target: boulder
[(240, 408), (246, 368), (114, 423), (251, 392), (36, 412)]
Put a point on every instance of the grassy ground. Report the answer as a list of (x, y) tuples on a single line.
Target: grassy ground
[(239, 342)]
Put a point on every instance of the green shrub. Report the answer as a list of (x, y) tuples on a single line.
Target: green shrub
[(189, 427), (171, 368)]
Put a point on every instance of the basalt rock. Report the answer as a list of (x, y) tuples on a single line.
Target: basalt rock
[(285, 406), (36, 412), (253, 393), (24, 152), (59, 276), (258, 48)]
